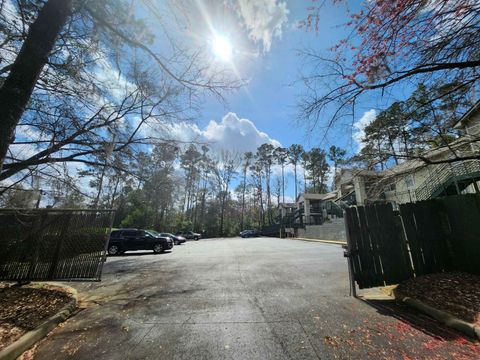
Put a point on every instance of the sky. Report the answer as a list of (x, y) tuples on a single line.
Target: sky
[(266, 42), (257, 41), (263, 42), (270, 98)]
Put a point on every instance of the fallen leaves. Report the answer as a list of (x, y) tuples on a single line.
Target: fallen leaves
[(329, 340), (24, 308), (455, 292)]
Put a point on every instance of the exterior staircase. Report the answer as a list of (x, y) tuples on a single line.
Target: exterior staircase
[(448, 179), (271, 230)]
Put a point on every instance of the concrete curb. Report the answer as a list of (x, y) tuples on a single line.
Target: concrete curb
[(14, 350), (322, 241), (440, 315)]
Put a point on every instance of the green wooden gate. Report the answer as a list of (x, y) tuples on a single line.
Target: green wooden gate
[(387, 246)]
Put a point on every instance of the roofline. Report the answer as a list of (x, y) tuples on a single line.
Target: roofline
[(469, 112)]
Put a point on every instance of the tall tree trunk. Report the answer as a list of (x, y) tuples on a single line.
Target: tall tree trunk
[(379, 153), (295, 174), (100, 185), (269, 197), (243, 196), (278, 198), (18, 86), (115, 189), (260, 199), (204, 194), (222, 215), (405, 143), (394, 153), (304, 180), (187, 193), (335, 166), (283, 184), (195, 213), (162, 215), (254, 208)]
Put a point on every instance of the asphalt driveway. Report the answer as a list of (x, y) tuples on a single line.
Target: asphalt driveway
[(259, 298)]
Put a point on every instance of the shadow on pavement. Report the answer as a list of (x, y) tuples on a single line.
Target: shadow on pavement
[(416, 320), (142, 253)]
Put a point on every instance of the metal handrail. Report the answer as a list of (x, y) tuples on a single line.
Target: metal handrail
[(443, 175)]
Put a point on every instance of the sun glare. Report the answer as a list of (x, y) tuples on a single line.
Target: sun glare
[(222, 48)]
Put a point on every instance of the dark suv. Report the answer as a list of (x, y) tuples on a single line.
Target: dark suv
[(249, 233), (122, 240), (189, 235)]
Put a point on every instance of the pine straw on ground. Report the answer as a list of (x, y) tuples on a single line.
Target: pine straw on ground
[(23, 308), (457, 293)]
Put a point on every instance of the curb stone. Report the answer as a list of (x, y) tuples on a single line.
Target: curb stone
[(323, 241), (26, 341), (440, 315)]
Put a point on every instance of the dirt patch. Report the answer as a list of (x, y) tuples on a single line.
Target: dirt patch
[(457, 293), (24, 308)]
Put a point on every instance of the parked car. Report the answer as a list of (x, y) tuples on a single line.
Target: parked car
[(177, 240), (122, 240), (189, 235), (250, 233)]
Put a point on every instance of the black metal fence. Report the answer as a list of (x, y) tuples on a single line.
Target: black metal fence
[(53, 244), (387, 246)]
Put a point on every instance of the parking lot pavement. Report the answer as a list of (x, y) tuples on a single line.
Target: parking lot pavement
[(257, 298)]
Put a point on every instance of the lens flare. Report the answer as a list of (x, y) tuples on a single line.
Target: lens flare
[(222, 48)]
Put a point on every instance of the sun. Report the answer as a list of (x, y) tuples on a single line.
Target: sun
[(222, 48)]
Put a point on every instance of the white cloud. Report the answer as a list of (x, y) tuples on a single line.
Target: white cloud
[(359, 126), (28, 132), (231, 133), (236, 134), (116, 84), (22, 151), (264, 19)]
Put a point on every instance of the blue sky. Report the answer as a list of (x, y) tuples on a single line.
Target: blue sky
[(266, 42), (270, 98)]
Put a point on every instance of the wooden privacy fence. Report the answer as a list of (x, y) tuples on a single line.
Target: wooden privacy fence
[(53, 244), (387, 246)]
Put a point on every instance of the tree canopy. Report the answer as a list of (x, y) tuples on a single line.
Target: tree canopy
[(69, 94), (393, 44)]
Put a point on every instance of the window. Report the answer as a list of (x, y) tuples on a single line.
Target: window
[(130, 233), (390, 187), (115, 234), (409, 181)]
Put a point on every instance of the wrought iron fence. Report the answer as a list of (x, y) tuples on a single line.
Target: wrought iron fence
[(53, 244)]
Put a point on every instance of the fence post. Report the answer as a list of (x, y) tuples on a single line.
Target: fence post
[(348, 255)]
